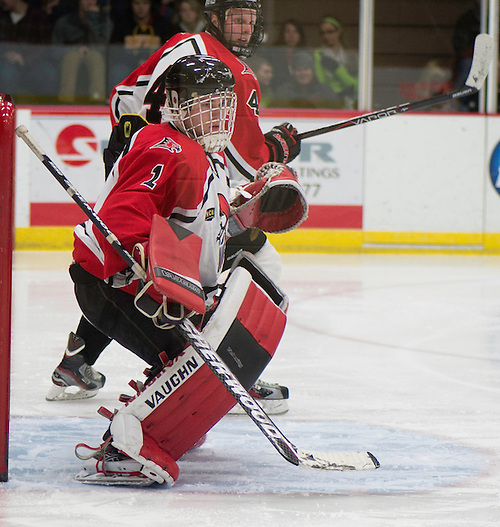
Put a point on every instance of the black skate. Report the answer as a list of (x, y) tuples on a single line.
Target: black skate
[(74, 378)]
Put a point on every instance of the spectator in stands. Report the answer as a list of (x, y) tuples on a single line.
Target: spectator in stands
[(263, 70), (290, 41), (166, 9), (188, 16), (304, 90), (467, 27), (86, 30), (141, 32), (332, 64), (56, 8), (141, 28), (26, 66)]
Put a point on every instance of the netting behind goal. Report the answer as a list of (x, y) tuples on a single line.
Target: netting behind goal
[(7, 123)]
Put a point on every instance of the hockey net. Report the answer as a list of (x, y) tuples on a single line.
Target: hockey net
[(7, 124)]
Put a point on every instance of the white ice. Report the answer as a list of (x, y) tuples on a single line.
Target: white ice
[(395, 354)]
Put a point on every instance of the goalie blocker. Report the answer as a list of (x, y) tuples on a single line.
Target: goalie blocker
[(172, 413)]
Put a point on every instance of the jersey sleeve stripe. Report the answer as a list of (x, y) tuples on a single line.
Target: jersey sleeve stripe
[(247, 171), (182, 217), (192, 40)]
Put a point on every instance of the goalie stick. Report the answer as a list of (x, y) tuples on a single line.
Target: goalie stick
[(481, 60), (293, 454)]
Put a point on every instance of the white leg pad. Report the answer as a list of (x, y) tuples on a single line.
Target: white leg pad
[(128, 437)]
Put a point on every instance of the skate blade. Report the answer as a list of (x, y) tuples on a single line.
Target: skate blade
[(112, 479), (270, 406), (69, 393)]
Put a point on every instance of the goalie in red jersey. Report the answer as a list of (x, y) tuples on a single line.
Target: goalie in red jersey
[(167, 199), (175, 171), (234, 30)]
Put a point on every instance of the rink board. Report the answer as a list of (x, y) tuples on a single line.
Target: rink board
[(417, 180)]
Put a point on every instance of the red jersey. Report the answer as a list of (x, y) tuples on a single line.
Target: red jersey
[(164, 172), (142, 92)]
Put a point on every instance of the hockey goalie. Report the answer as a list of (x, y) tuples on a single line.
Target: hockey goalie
[(169, 203)]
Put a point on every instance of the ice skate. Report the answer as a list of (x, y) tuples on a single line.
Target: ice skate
[(271, 396), (74, 378), (105, 465)]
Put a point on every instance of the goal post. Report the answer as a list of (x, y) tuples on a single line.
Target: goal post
[(7, 125)]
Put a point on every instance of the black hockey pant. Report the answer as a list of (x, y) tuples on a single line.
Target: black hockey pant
[(114, 314)]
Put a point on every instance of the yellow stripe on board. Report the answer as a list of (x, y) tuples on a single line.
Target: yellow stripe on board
[(328, 241), (44, 238), (308, 240)]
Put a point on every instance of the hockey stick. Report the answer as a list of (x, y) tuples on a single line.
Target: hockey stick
[(293, 454), (481, 60)]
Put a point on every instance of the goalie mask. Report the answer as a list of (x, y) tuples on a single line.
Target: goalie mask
[(237, 24), (200, 100)]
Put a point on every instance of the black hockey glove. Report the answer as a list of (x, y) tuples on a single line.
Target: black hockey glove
[(119, 138), (283, 144)]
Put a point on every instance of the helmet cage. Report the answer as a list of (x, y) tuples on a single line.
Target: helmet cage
[(208, 118), (220, 9)]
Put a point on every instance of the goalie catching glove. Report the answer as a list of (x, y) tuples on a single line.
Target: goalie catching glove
[(275, 202), (283, 144), (173, 289)]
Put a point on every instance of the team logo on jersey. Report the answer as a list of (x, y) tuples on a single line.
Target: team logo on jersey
[(224, 208), (169, 144), (224, 213), (247, 70), (76, 145)]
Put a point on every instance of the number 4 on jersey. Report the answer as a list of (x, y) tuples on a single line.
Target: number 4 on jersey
[(253, 102)]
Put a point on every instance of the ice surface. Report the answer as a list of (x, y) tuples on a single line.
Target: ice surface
[(396, 354)]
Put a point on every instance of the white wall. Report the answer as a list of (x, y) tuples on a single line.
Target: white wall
[(425, 173)]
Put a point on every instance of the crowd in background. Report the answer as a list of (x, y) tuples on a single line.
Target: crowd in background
[(75, 51), (292, 74)]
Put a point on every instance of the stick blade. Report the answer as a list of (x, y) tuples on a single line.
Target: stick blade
[(481, 61), (337, 460), (20, 130)]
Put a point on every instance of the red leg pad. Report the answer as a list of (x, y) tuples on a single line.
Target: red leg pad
[(186, 399)]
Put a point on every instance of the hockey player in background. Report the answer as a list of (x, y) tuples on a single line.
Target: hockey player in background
[(234, 30), (167, 199)]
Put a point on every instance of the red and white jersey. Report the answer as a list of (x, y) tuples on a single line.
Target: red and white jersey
[(164, 172), (143, 92)]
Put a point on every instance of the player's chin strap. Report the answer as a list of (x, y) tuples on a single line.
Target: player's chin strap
[(293, 454)]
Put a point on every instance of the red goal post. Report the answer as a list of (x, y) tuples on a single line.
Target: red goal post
[(7, 125)]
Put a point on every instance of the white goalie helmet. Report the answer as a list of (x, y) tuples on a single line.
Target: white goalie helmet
[(200, 100)]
